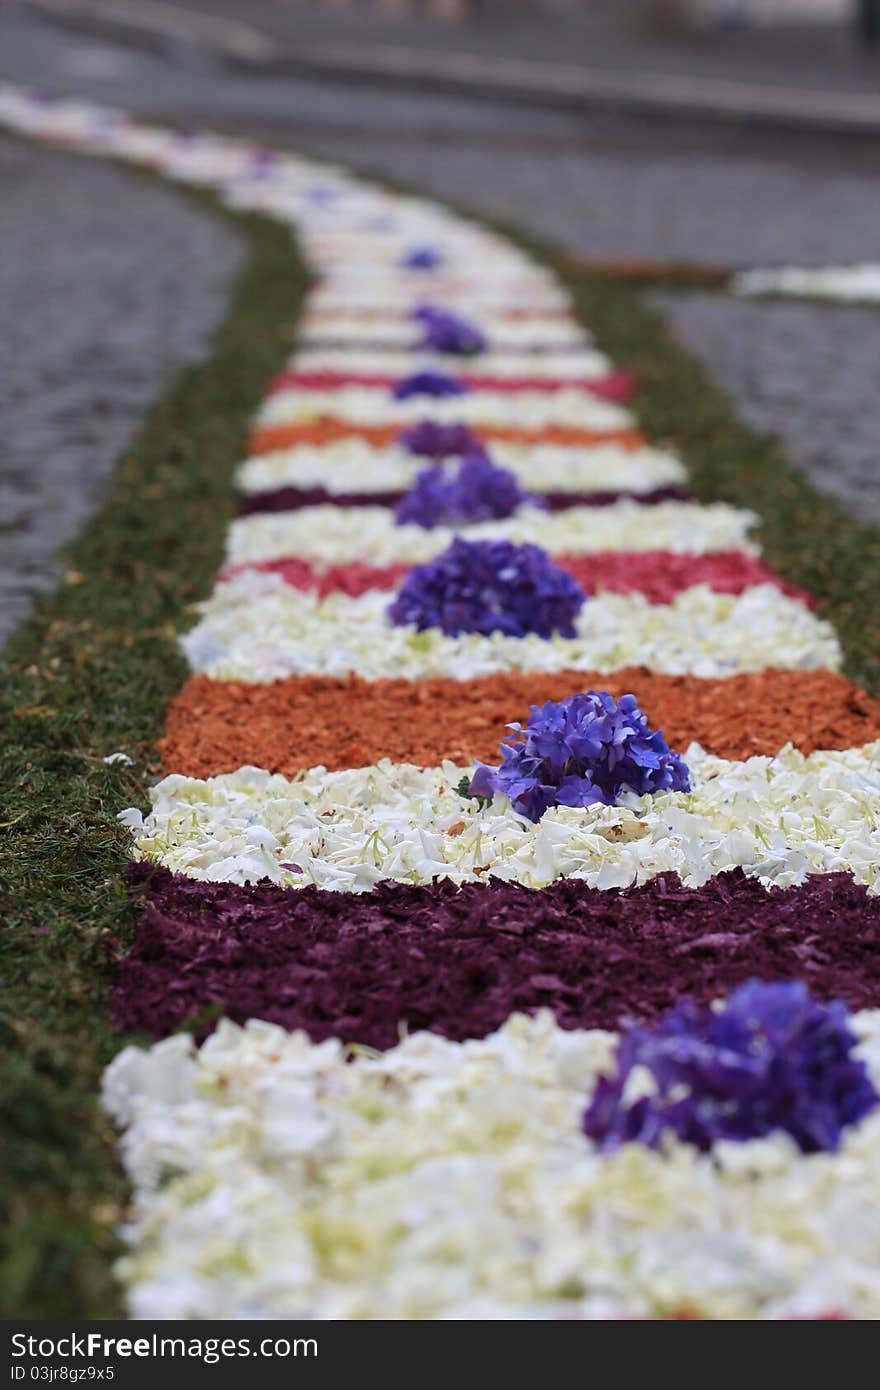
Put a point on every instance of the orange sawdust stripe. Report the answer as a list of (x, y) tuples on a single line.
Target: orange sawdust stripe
[(301, 721), (328, 431)]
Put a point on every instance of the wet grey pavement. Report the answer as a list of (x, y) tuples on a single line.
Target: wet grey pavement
[(108, 284), (596, 185), (805, 373), (813, 52)]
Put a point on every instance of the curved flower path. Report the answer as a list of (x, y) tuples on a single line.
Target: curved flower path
[(401, 1112)]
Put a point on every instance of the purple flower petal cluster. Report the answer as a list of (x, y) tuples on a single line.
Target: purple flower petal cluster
[(773, 1058), (431, 439), (477, 490), (489, 586), (422, 258), (587, 748), (320, 194), (447, 332), (429, 383)]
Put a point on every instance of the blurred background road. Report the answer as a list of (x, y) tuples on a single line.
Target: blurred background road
[(599, 176), (801, 61)]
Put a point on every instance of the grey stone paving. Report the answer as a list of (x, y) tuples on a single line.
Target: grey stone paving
[(806, 373), (107, 285)]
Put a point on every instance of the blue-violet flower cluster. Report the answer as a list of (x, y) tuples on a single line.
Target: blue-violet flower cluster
[(447, 332), (429, 383), (490, 586), (432, 439), (422, 258), (474, 490), (772, 1058), (587, 748)]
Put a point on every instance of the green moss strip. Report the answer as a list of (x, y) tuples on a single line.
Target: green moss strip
[(93, 673)]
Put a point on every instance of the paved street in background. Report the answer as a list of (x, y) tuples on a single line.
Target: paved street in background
[(108, 284), (123, 280)]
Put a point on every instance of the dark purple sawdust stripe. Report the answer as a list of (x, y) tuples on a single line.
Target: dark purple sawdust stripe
[(290, 499), (460, 960)]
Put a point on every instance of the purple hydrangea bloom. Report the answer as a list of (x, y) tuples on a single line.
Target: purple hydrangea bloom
[(321, 194), (477, 490), (430, 439), (773, 1058), (587, 748), (422, 258), (429, 383), (262, 162), (447, 332), (489, 586)]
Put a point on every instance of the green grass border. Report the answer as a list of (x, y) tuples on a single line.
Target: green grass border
[(94, 670), (92, 673)]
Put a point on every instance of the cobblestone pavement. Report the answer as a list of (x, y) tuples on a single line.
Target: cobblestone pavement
[(599, 186), (803, 372), (108, 284)]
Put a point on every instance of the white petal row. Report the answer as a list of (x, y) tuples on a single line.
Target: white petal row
[(364, 405), (778, 819), (398, 295), (354, 465), (332, 535), (279, 1179), (851, 283), (320, 355), (258, 628), (404, 335)]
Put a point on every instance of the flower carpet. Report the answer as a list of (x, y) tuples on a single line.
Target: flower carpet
[(510, 907)]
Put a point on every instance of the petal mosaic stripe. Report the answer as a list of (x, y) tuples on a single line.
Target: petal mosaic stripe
[(443, 1179), (328, 429), (291, 499), (396, 293), (657, 574), (334, 535), (518, 327), (330, 369), (256, 627), (349, 324), (778, 819), (459, 961), (325, 368), (533, 337), (285, 725), (364, 405), (353, 888), (852, 284), (355, 465)]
